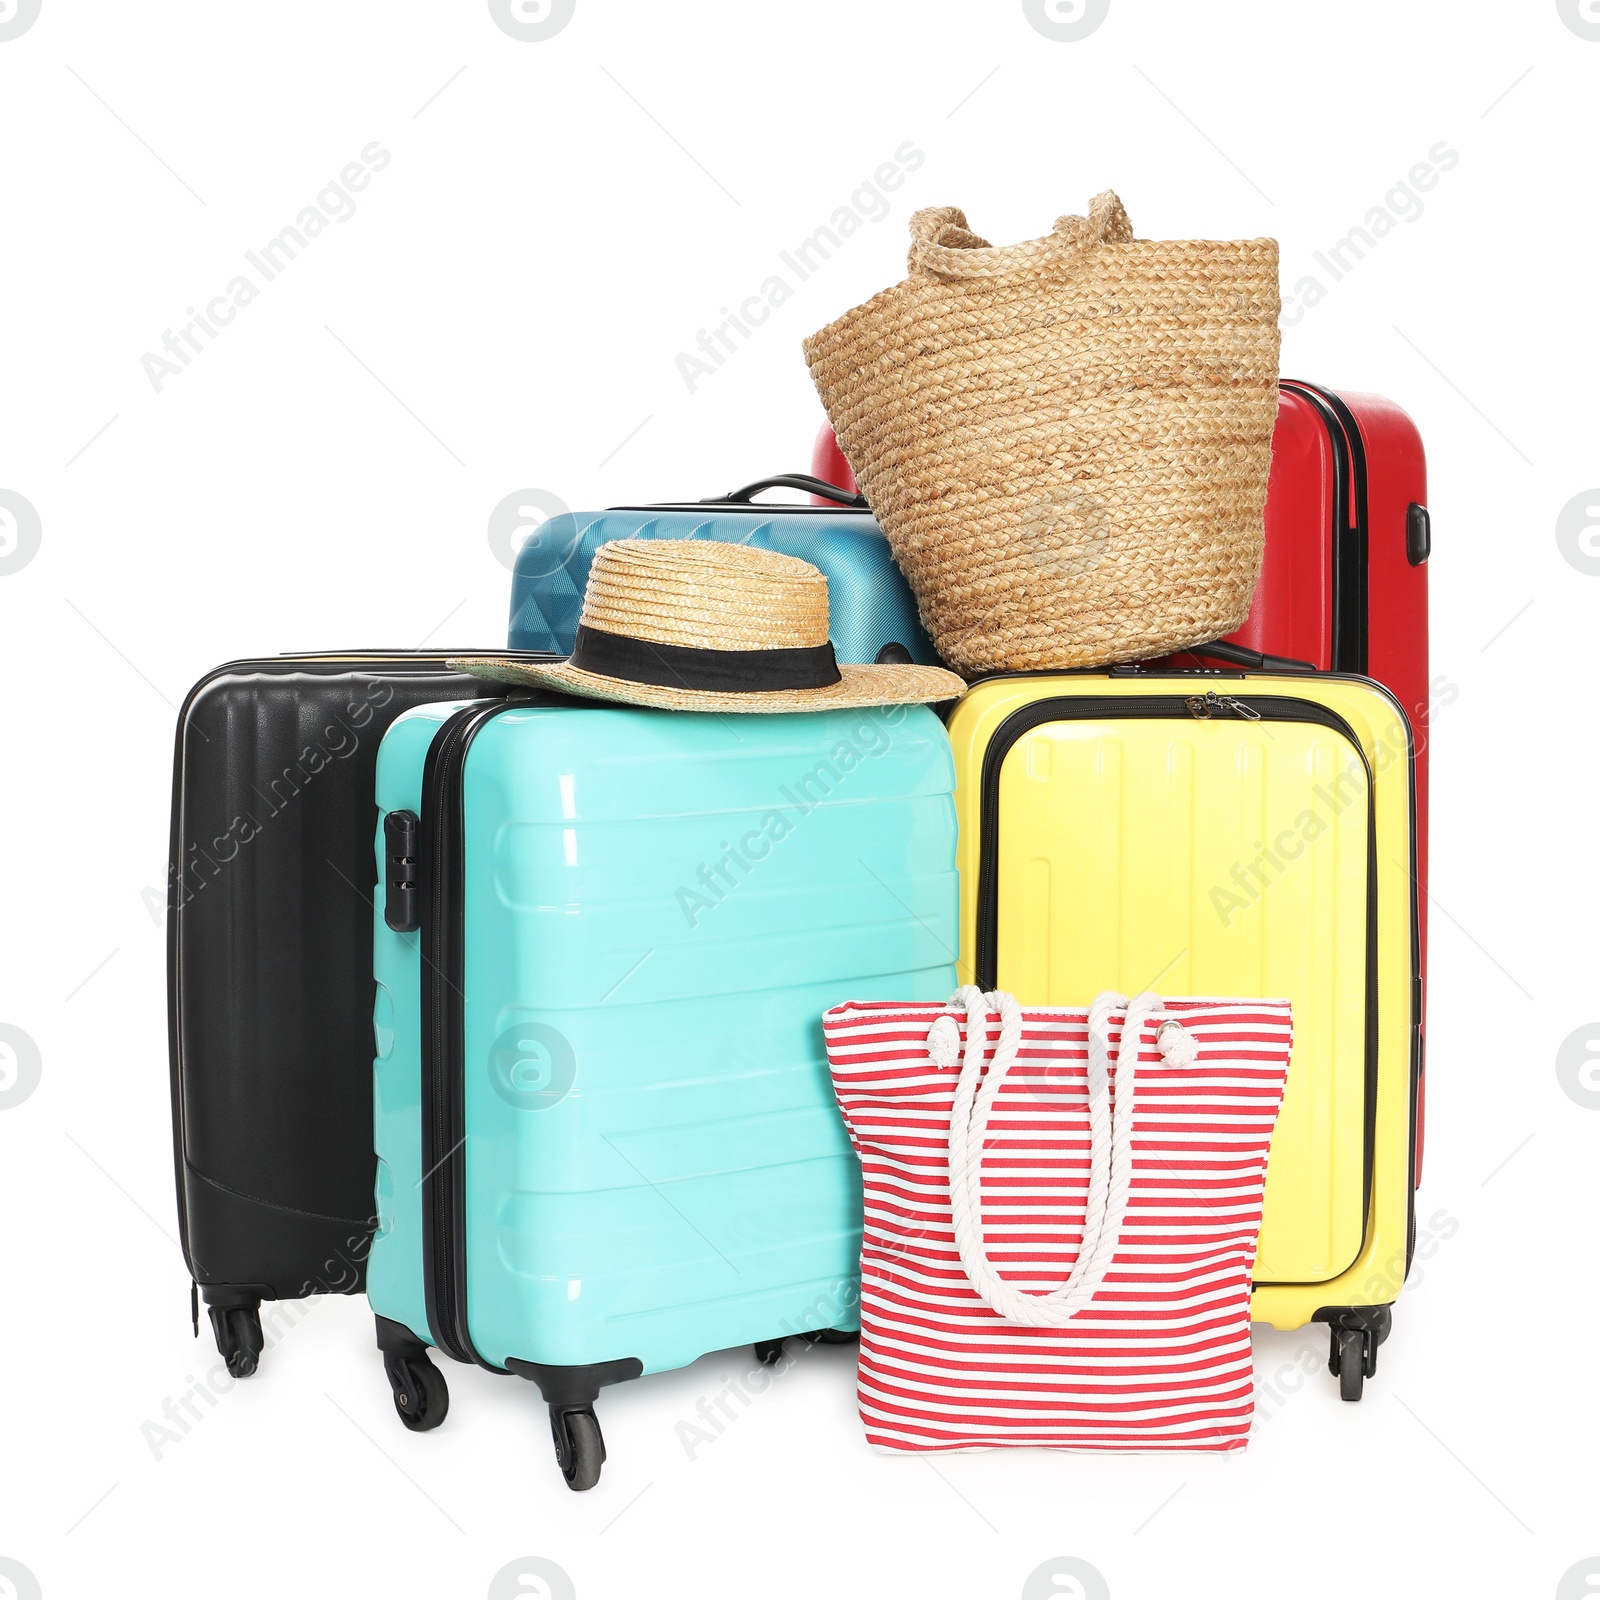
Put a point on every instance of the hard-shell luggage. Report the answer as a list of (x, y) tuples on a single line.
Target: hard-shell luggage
[(829, 463), (1220, 833), (873, 615), (1344, 577), (269, 987), (606, 1138)]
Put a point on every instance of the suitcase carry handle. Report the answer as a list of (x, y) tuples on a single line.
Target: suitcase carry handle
[(1110, 1142), (1242, 656), (791, 480)]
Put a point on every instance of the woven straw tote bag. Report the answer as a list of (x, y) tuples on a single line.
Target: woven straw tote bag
[(1066, 441)]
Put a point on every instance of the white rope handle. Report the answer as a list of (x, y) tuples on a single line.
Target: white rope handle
[(1110, 1143)]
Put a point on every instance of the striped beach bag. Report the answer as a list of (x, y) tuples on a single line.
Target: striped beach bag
[(1059, 1226)]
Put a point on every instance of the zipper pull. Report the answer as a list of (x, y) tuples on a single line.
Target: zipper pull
[(1210, 703)]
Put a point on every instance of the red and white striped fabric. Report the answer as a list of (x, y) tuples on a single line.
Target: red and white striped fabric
[(1159, 1357)]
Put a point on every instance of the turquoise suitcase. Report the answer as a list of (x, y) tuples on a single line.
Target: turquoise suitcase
[(604, 941), (872, 613)]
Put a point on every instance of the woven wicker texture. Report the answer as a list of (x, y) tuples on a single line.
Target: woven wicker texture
[(702, 592), (1066, 441)]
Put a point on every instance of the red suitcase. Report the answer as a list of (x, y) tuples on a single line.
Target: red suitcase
[(1344, 580), (829, 464), (1344, 577)]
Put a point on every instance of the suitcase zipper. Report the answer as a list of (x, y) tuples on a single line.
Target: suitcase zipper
[(443, 1081), (444, 1133), (1348, 647), (1202, 706), (1268, 708)]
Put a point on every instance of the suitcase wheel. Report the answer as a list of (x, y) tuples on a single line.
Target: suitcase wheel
[(833, 1336), (238, 1334), (421, 1396), (580, 1449), (1353, 1346), (1348, 1361), (769, 1352)]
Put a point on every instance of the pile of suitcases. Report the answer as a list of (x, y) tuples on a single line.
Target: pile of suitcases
[(504, 1006)]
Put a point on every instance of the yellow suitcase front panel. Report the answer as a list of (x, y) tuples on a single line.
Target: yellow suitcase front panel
[(1113, 931), (1209, 858)]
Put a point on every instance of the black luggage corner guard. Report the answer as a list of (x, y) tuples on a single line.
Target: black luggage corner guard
[(576, 1386), (570, 1393)]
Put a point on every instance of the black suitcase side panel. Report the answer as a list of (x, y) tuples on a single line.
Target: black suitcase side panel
[(269, 917)]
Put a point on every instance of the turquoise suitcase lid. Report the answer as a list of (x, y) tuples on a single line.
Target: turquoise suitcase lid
[(656, 909), (872, 613)]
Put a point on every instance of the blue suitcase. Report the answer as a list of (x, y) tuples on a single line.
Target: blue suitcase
[(873, 615), (604, 941)]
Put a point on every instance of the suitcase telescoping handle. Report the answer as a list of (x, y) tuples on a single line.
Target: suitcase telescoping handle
[(1110, 1140), (791, 480)]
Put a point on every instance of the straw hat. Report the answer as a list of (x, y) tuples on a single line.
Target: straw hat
[(695, 625)]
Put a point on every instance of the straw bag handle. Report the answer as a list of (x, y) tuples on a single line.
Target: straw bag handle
[(943, 246), (1110, 1146)]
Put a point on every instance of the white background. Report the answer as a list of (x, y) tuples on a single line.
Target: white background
[(503, 312)]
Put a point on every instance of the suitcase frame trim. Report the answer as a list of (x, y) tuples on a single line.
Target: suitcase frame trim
[(444, 1210)]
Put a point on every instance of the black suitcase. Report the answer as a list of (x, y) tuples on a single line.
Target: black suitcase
[(269, 972)]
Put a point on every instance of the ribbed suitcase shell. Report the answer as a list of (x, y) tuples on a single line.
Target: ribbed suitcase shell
[(1102, 826), (268, 971), (870, 606), (693, 1187)]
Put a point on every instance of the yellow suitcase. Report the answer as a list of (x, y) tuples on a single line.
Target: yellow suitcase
[(1225, 834)]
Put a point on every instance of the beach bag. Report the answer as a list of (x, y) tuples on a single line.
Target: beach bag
[(1066, 441), (1058, 1234)]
